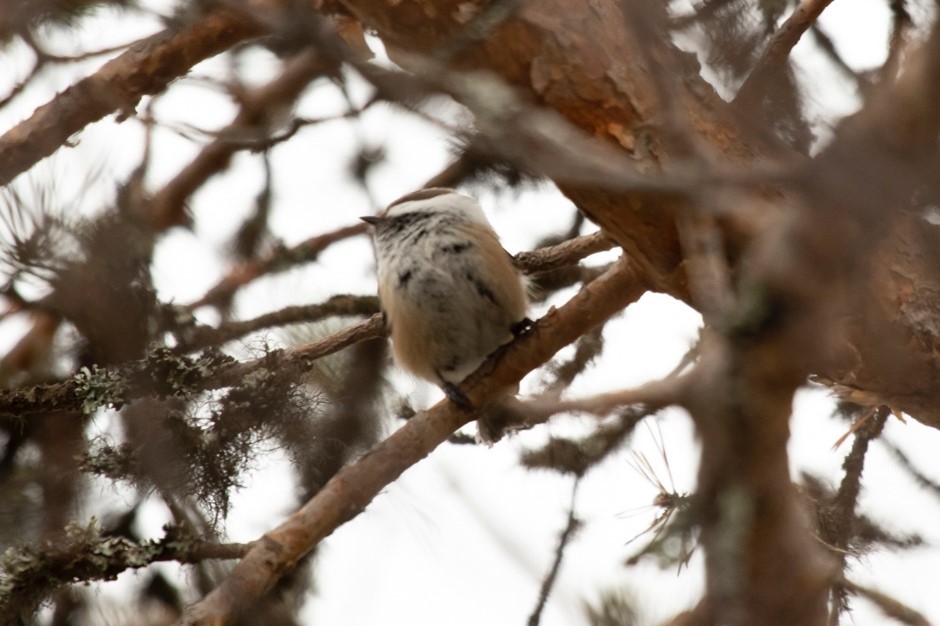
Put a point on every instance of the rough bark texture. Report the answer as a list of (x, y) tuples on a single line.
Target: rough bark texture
[(580, 59), (585, 62)]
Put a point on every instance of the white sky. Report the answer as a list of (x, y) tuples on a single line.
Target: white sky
[(466, 536)]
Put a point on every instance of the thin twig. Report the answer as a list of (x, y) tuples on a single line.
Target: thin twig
[(778, 49), (19, 87), (841, 511), (337, 305), (888, 605), (924, 481), (571, 527), (43, 58), (566, 253), (653, 395), (829, 49)]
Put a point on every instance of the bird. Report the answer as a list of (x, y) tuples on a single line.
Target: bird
[(450, 292)]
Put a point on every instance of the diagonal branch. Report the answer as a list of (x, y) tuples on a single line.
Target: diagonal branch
[(889, 606), (571, 528), (778, 49), (145, 68), (353, 487)]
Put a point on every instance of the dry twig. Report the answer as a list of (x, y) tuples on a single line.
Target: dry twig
[(571, 528), (888, 605), (841, 512), (778, 49)]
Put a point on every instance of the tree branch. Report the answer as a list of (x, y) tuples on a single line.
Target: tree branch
[(564, 254), (840, 513), (166, 373), (888, 605), (353, 487), (86, 554), (205, 336), (571, 528), (163, 373), (654, 395), (145, 68), (777, 52)]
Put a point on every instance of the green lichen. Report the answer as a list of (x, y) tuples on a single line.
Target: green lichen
[(28, 574), (256, 379), (116, 462), (98, 387), (172, 374)]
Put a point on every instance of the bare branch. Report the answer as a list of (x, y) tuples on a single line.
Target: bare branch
[(778, 49), (925, 482), (571, 528), (841, 512), (566, 253), (357, 484), (888, 605), (653, 395), (205, 336), (146, 68)]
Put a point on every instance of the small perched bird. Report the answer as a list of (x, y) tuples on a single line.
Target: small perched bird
[(450, 292)]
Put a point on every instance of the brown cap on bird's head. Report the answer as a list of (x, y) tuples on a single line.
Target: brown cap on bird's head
[(421, 194)]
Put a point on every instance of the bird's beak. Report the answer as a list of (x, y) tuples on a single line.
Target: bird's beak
[(372, 220)]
